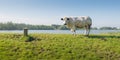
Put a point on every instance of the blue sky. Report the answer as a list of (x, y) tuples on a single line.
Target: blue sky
[(47, 12)]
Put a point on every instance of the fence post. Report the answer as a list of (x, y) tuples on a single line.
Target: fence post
[(25, 32)]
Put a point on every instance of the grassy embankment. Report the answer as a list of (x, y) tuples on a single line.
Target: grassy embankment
[(60, 46)]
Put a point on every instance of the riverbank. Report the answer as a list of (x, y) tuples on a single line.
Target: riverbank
[(60, 46)]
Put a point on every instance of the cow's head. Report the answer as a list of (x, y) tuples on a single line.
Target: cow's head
[(66, 20)]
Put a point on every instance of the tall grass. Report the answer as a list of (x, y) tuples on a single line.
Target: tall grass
[(60, 46)]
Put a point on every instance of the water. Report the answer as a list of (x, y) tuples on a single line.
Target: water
[(59, 31)]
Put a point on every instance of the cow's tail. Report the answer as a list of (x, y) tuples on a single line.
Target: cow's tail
[(89, 25)]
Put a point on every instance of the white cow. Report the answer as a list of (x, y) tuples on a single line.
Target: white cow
[(78, 22)]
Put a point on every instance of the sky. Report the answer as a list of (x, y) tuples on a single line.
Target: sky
[(47, 12)]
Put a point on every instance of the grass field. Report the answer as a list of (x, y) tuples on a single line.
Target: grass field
[(59, 47)]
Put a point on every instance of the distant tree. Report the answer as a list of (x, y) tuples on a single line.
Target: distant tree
[(108, 28), (63, 27), (114, 28), (56, 27), (94, 28)]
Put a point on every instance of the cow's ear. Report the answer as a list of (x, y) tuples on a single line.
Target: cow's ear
[(67, 18), (61, 18)]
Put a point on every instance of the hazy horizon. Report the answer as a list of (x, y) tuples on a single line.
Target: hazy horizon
[(47, 12)]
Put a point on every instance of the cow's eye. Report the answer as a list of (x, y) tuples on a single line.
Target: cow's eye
[(61, 18), (67, 18)]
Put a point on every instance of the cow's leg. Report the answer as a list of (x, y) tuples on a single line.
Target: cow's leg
[(88, 29), (74, 32), (73, 29), (85, 33)]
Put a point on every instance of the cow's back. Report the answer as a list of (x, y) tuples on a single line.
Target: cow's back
[(81, 21)]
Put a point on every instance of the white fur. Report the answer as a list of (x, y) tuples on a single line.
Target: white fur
[(78, 22)]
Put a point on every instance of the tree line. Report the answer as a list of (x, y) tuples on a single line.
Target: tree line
[(21, 26)]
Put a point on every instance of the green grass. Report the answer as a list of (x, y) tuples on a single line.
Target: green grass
[(59, 47)]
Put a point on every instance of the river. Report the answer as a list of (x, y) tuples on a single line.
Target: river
[(59, 31)]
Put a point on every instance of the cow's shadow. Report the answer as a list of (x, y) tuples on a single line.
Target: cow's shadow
[(103, 36)]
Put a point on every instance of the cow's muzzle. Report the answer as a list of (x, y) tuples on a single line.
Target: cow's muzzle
[(65, 24)]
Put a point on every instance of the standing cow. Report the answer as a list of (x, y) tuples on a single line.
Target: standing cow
[(78, 22)]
